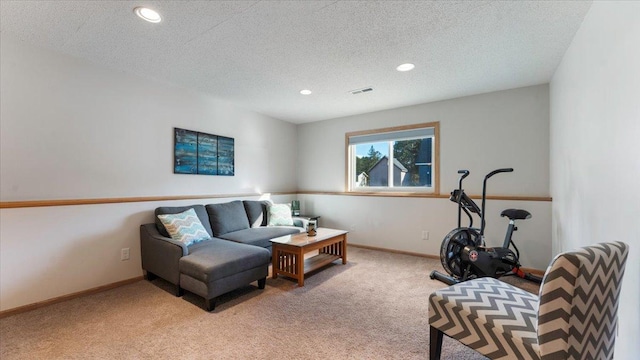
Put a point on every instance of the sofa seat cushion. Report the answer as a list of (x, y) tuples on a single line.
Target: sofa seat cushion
[(227, 217), (260, 236), (216, 259)]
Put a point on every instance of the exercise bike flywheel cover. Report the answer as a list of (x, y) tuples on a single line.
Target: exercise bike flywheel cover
[(452, 246)]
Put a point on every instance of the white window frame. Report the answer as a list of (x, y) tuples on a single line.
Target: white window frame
[(390, 135)]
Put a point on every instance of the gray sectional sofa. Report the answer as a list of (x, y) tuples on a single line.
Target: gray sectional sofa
[(238, 253)]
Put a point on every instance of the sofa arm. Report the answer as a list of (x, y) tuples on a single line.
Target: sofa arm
[(161, 255), (150, 231)]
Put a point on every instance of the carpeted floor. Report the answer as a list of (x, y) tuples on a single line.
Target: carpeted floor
[(375, 307)]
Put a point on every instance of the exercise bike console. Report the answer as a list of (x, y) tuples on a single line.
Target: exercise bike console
[(458, 196)]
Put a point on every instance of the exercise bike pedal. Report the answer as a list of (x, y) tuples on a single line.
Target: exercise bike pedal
[(444, 278)]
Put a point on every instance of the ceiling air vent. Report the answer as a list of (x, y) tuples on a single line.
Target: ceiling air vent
[(360, 91)]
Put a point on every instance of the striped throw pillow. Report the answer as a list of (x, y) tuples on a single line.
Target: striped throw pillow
[(280, 215), (184, 227)]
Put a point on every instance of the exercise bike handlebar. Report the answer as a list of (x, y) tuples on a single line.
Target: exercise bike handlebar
[(497, 172), (464, 173), (484, 193)]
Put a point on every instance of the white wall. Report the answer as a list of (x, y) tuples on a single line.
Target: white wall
[(479, 133), (398, 223), (595, 148), (73, 130)]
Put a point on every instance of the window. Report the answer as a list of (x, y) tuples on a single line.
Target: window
[(402, 159)]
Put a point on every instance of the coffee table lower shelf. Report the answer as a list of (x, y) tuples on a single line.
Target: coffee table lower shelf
[(318, 261)]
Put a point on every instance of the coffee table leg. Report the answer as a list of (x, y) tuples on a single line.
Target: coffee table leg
[(343, 244), (274, 262), (300, 266)]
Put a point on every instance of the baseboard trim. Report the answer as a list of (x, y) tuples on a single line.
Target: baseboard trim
[(533, 271), (40, 304), (429, 256)]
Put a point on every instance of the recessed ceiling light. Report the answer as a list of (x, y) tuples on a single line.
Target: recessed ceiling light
[(305, 92), (147, 14), (405, 67)]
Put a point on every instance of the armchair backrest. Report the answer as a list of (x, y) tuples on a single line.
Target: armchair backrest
[(579, 296)]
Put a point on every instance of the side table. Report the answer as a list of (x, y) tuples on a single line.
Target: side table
[(311, 217)]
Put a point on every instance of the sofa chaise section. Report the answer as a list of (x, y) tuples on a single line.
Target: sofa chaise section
[(215, 267)]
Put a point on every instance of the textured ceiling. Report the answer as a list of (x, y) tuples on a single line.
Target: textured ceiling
[(260, 54)]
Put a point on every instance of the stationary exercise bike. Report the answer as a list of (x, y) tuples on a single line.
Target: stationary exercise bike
[(463, 252)]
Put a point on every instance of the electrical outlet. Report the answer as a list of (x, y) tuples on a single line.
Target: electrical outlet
[(425, 235), (124, 254)]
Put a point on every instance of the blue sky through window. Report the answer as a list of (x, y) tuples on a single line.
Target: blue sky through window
[(363, 149)]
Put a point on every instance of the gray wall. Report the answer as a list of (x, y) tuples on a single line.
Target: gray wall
[(595, 148)]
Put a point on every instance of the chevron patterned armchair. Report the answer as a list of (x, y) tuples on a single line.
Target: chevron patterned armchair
[(574, 316)]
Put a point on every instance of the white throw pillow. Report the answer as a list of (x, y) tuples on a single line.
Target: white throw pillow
[(280, 215)]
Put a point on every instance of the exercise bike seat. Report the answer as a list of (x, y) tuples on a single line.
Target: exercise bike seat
[(516, 214)]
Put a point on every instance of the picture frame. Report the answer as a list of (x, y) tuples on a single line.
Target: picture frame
[(200, 153)]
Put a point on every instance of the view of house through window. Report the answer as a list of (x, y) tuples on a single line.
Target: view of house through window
[(401, 159)]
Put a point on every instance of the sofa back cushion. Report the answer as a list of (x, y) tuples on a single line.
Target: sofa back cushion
[(199, 209), (256, 212), (227, 217)]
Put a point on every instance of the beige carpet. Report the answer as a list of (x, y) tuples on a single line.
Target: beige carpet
[(375, 307)]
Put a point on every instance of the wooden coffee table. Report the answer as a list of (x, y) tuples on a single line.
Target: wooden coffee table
[(288, 252)]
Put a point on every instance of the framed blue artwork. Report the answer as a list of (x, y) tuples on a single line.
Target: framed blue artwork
[(202, 153), (207, 154), (225, 156), (185, 160)]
